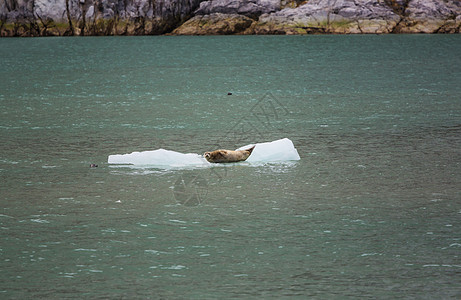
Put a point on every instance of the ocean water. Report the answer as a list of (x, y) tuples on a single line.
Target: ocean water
[(372, 209)]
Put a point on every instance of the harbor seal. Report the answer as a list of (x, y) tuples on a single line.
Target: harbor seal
[(227, 156)]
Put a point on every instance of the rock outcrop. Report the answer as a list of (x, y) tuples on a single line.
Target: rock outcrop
[(215, 24), (343, 16), (249, 8), (320, 16), (93, 17), (431, 16), (197, 17)]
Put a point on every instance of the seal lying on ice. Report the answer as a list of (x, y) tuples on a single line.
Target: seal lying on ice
[(228, 156)]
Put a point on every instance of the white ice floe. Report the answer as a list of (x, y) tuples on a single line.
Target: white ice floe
[(279, 150), (159, 157)]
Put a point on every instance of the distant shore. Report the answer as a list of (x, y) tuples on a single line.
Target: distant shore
[(216, 25), (224, 17)]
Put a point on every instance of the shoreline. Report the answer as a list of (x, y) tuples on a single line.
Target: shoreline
[(58, 30), (250, 17)]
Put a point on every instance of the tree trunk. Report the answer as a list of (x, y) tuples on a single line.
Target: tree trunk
[(71, 26)]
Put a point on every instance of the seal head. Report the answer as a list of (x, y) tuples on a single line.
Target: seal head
[(228, 156)]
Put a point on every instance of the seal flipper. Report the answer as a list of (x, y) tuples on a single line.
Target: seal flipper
[(251, 149)]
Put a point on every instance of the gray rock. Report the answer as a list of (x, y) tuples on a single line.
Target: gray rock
[(94, 16), (125, 9), (90, 12), (430, 16), (270, 16), (365, 16), (245, 7), (214, 24), (433, 9), (335, 16), (53, 9)]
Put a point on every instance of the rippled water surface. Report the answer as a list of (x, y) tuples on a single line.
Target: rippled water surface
[(372, 209)]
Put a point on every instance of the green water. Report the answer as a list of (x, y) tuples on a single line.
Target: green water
[(372, 209)]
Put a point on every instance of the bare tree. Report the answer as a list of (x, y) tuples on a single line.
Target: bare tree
[(71, 26)]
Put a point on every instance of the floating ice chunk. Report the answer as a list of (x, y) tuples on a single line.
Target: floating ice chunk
[(279, 150), (159, 157)]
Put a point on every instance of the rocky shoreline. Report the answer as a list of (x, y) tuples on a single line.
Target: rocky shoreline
[(226, 17)]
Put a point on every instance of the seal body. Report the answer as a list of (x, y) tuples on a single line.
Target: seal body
[(228, 156)]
